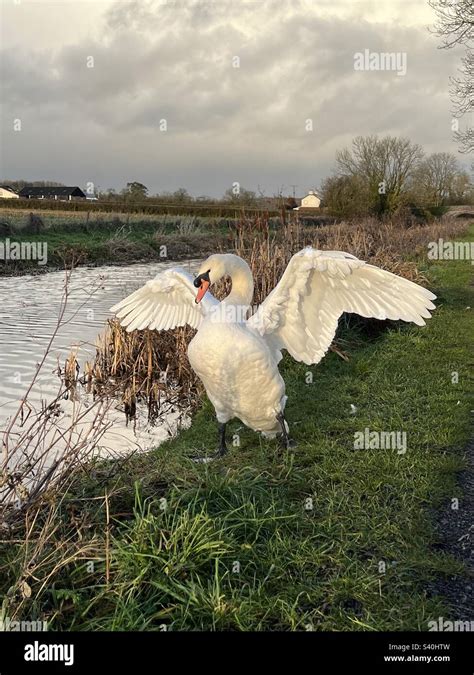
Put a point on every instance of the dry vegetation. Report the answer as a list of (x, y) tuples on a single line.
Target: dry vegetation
[(140, 368)]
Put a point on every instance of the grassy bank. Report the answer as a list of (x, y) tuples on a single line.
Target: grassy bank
[(113, 240), (82, 238), (325, 538), (99, 238)]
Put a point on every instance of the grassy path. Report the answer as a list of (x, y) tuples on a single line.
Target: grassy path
[(326, 538)]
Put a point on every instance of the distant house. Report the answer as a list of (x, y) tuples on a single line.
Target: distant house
[(61, 193), (7, 192), (311, 201)]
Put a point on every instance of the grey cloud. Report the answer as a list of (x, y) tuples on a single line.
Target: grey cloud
[(174, 61)]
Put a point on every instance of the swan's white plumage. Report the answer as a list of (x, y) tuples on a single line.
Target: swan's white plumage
[(302, 312), (237, 359), (165, 302)]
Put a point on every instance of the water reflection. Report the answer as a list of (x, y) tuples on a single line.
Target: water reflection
[(29, 309)]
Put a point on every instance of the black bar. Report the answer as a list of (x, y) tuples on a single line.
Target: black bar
[(314, 652)]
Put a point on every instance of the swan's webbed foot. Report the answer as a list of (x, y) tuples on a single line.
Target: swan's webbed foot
[(222, 450), (289, 443), (285, 441)]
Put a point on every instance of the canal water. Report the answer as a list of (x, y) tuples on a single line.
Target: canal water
[(29, 310)]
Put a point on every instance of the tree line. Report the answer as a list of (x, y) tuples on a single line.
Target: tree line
[(381, 175), (375, 176)]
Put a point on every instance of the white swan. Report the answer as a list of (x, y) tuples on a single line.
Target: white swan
[(237, 357)]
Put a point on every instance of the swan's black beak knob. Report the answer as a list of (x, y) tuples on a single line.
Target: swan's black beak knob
[(202, 277), (202, 281)]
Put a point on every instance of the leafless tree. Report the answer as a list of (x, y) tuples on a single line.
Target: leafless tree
[(383, 165), (438, 178), (455, 26)]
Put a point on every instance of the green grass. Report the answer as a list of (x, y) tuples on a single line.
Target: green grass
[(324, 538), (112, 238), (103, 245)]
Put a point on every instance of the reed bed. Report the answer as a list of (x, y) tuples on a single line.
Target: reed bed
[(386, 244), (144, 367)]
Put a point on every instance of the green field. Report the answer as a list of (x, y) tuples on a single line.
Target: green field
[(327, 537)]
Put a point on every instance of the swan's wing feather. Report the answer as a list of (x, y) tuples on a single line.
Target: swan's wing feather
[(164, 302), (301, 314)]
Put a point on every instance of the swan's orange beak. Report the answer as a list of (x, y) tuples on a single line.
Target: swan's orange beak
[(203, 288), (202, 281)]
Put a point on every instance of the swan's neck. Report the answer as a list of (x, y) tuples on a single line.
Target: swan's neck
[(242, 284)]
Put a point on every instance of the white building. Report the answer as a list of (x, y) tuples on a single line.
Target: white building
[(311, 201), (6, 192)]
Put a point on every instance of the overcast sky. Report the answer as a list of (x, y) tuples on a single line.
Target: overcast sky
[(155, 60)]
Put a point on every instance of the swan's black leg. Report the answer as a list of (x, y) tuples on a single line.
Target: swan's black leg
[(222, 444), (287, 442)]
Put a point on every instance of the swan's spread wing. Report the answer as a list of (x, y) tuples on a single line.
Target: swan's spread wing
[(302, 312), (164, 302)]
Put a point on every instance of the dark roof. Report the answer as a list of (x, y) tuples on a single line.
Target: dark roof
[(8, 187), (61, 191)]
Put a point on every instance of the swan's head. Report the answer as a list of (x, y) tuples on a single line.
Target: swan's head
[(216, 267)]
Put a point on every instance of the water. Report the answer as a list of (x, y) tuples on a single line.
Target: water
[(29, 310)]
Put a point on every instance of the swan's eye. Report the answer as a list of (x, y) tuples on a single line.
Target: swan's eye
[(202, 277)]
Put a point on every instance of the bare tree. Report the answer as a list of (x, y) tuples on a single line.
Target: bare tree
[(383, 165), (438, 178), (455, 26), (241, 196)]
